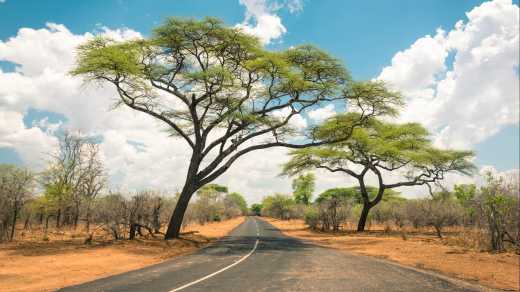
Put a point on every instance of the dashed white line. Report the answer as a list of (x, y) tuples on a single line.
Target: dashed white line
[(225, 268)]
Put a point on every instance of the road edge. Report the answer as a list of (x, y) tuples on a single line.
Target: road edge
[(456, 281)]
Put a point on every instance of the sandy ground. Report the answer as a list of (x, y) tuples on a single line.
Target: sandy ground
[(29, 265), (419, 251)]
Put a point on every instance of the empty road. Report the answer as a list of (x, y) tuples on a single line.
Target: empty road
[(258, 257)]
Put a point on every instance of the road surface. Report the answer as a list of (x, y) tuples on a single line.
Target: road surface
[(258, 257)]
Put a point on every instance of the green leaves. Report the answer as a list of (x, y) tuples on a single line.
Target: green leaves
[(104, 58)]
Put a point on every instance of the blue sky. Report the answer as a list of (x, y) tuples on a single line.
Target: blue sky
[(366, 35)]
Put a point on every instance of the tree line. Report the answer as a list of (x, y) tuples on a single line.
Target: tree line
[(72, 192), (490, 212)]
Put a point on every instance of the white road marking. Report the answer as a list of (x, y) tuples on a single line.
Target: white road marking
[(225, 268)]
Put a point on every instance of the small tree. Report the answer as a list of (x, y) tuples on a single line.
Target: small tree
[(333, 209), (277, 206), (16, 187), (235, 201), (303, 187), (441, 211), (380, 148), (222, 93), (209, 205), (256, 209), (498, 203)]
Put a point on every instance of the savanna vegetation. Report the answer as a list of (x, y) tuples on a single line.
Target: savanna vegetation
[(72, 194), (482, 218)]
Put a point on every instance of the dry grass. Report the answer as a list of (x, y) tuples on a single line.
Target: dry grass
[(31, 264), (420, 250)]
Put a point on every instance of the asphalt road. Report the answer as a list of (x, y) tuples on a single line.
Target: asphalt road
[(258, 257)]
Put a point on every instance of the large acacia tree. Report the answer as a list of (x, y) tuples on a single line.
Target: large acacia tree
[(381, 148), (221, 92)]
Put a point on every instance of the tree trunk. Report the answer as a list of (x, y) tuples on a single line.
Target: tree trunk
[(58, 218), (131, 233), (174, 227), (87, 221), (13, 227), (438, 231), (363, 217)]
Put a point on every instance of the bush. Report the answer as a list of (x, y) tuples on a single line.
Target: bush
[(277, 206), (497, 203), (311, 217)]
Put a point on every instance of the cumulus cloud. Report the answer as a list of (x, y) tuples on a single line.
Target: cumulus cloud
[(479, 94), (320, 114), (41, 81), (135, 148), (262, 21)]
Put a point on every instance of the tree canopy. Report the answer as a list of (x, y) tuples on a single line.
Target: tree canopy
[(225, 95), (380, 148), (303, 187)]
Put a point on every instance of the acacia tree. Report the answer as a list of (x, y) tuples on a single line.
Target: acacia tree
[(380, 148), (303, 186), (222, 93)]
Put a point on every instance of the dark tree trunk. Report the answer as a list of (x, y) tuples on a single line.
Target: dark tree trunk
[(156, 217), (27, 223), (87, 221), (174, 227), (76, 216), (131, 234), (15, 215), (58, 218), (363, 218), (438, 231), (46, 225)]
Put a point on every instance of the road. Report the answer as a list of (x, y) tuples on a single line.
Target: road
[(258, 257)]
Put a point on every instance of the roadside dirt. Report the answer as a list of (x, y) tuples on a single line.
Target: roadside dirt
[(421, 251), (35, 265)]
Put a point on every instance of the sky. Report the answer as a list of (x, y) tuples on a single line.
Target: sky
[(456, 63)]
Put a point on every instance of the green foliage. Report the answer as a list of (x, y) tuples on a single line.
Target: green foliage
[(311, 217), (16, 189), (256, 209), (212, 189), (277, 206), (237, 200), (303, 187), (392, 145), (354, 194), (498, 203)]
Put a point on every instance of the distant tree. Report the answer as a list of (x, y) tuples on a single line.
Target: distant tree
[(465, 195), (16, 187), (440, 211), (209, 205), (220, 91), (92, 181), (498, 204), (278, 206), (303, 187), (378, 148), (236, 200), (256, 209)]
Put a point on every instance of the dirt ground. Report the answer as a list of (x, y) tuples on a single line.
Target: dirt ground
[(35, 265), (422, 251)]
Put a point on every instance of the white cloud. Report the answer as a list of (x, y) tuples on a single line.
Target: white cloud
[(262, 21), (322, 113), (41, 81), (479, 95)]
